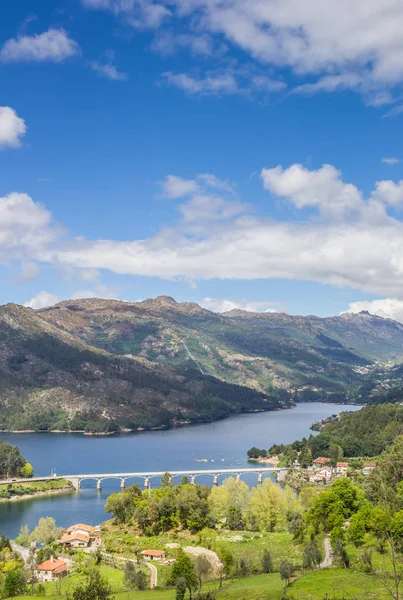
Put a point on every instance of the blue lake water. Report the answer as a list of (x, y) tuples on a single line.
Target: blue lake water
[(223, 443)]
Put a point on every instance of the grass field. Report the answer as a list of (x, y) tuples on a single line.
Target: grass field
[(9, 490), (328, 584)]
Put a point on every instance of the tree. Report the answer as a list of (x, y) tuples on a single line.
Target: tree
[(141, 580), (14, 583), (286, 570), (183, 568), (185, 481), (267, 563), (203, 568), (256, 453), (24, 536), (166, 480), (311, 555), (180, 588), (4, 543), (27, 470), (46, 531), (129, 576), (95, 587)]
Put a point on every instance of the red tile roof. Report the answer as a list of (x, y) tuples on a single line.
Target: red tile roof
[(321, 460), (342, 464), (88, 528), (155, 553), (56, 566), (369, 464), (69, 537)]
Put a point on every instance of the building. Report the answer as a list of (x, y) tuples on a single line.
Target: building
[(368, 466), (325, 473), (79, 536), (51, 569), (342, 468), (153, 555), (321, 461)]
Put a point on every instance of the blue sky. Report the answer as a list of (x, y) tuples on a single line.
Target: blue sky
[(229, 152)]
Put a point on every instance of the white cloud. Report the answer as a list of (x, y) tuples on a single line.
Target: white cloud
[(52, 45), (176, 187), (204, 208), (141, 14), (390, 160), (108, 70), (222, 305), (25, 227), (323, 189), (389, 308), (42, 300), (168, 43), (12, 128), (355, 45), (228, 81), (389, 192)]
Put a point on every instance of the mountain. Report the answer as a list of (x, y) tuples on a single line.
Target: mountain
[(51, 379), (310, 357)]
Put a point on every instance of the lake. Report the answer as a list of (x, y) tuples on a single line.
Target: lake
[(223, 443)]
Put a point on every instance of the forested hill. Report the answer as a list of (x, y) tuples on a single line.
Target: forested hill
[(50, 379), (12, 463), (307, 356)]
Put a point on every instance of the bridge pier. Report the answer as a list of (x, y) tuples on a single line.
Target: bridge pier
[(215, 480), (260, 479), (99, 484), (122, 484), (147, 485), (238, 477), (192, 480)]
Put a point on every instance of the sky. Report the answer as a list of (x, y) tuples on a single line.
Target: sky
[(235, 153)]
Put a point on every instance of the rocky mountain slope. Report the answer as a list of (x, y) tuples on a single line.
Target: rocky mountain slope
[(308, 357), (50, 379)]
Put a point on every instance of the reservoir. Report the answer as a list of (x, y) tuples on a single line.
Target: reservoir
[(223, 443)]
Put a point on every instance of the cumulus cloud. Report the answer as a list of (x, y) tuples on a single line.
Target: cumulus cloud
[(25, 227), (176, 187), (389, 192), (12, 128), (389, 308), (222, 305), (53, 45), (323, 189), (42, 300)]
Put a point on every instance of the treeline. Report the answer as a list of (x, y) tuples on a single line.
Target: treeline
[(194, 507), (12, 463), (365, 433)]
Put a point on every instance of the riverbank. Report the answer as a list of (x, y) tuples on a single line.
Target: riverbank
[(10, 492)]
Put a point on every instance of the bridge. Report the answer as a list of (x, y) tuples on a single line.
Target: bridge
[(147, 476)]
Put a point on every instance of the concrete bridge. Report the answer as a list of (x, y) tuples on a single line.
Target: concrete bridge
[(147, 476)]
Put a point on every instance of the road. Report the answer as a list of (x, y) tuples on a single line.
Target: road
[(23, 551), (328, 560), (154, 574)]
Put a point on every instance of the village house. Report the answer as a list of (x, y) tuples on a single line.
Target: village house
[(321, 461), (342, 468), (51, 569), (368, 466), (153, 555), (78, 536), (324, 474)]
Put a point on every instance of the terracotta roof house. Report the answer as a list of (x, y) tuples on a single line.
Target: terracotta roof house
[(78, 536), (368, 466), (153, 554), (51, 569), (321, 460), (342, 468)]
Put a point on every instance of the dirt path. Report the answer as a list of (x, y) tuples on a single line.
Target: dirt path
[(154, 575), (328, 560)]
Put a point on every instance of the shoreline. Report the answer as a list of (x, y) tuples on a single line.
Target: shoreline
[(16, 498), (167, 427)]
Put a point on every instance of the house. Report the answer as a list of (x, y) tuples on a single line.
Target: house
[(325, 473), (342, 468), (78, 536), (321, 461), (51, 569), (153, 555), (368, 466)]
